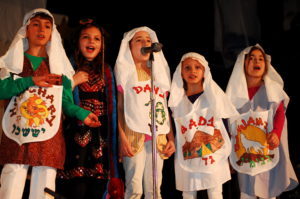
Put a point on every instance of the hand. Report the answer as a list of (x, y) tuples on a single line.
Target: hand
[(47, 80), (170, 148), (125, 148), (80, 77), (92, 120), (273, 140)]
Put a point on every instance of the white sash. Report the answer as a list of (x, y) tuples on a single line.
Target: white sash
[(202, 141), (34, 115), (138, 109), (251, 154)]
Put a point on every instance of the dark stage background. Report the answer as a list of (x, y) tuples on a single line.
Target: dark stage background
[(217, 29)]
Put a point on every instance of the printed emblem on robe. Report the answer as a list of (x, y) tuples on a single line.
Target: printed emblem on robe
[(251, 153), (202, 141), (138, 109), (34, 115)]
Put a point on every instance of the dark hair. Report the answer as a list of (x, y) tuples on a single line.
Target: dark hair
[(42, 15), (98, 63)]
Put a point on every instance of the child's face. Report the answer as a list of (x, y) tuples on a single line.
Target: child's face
[(255, 64), (90, 42), (38, 31), (192, 71), (139, 40)]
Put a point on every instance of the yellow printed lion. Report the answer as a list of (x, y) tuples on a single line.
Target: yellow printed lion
[(34, 110)]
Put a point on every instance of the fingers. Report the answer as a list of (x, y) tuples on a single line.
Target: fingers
[(47, 80), (170, 149), (81, 77), (92, 121), (273, 140)]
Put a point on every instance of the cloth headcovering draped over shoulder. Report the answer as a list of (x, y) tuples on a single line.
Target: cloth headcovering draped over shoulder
[(237, 90), (218, 101), (12, 61), (125, 66)]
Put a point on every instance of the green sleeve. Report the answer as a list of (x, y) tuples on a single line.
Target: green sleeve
[(10, 87), (69, 108)]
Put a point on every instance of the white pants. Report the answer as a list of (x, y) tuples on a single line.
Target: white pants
[(246, 196), (138, 174), (13, 178), (213, 193)]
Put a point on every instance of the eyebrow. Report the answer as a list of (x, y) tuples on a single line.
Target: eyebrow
[(139, 37)]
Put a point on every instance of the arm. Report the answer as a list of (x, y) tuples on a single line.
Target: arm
[(170, 147), (273, 138), (10, 87), (125, 148), (72, 110), (80, 77)]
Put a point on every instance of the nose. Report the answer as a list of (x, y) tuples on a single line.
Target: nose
[(91, 40), (256, 60)]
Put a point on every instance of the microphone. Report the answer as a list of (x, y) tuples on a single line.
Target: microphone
[(155, 47)]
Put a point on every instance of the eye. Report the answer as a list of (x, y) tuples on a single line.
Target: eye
[(198, 67), (187, 67), (84, 37)]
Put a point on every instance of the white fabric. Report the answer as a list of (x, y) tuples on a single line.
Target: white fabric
[(237, 90), (213, 193), (208, 160), (244, 141), (126, 77), (246, 196), (33, 116), (13, 178), (140, 103), (42, 177), (282, 177), (139, 174), (213, 103), (125, 68), (12, 60), (218, 101)]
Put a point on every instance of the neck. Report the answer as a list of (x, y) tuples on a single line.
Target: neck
[(141, 65), (193, 89), (253, 81), (39, 51)]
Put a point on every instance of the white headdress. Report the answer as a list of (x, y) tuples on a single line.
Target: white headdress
[(13, 59), (125, 66), (237, 90), (219, 103)]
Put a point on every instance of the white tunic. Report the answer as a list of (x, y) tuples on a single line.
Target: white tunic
[(33, 116), (138, 108), (204, 164)]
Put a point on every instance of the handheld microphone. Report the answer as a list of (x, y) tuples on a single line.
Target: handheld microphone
[(155, 47)]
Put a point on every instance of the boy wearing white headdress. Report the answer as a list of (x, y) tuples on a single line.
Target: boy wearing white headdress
[(35, 75), (259, 135), (134, 121), (203, 146)]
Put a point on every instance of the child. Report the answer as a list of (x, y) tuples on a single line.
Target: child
[(259, 135), (32, 121), (134, 122), (90, 150), (203, 145)]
